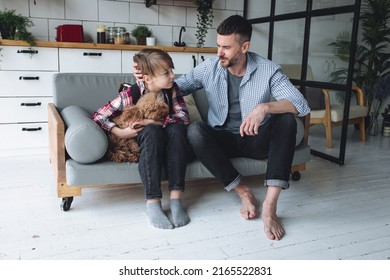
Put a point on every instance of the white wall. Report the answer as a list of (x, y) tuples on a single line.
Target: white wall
[(165, 19)]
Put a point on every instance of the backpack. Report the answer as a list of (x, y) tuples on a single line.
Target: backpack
[(134, 90), (136, 94)]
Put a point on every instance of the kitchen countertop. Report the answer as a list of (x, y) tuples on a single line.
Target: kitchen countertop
[(73, 45)]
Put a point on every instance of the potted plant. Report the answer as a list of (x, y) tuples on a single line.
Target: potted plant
[(372, 61), (140, 32), (205, 16), (15, 26)]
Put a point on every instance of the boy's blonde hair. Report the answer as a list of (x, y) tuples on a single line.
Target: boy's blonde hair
[(150, 61)]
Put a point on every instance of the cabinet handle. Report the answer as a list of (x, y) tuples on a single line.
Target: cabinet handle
[(202, 57), (92, 54), (194, 60), (31, 104), (28, 78), (31, 129), (28, 51)]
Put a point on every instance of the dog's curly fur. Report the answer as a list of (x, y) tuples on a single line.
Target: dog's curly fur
[(149, 106)]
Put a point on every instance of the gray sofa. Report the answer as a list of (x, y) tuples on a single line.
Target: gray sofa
[(77, 144)]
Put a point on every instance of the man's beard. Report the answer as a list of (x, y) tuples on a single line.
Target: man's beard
[(231, 62)]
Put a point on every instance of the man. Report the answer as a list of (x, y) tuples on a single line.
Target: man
[(242, 119)]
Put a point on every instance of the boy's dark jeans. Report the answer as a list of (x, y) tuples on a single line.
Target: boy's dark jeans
[(275, 141), (162, 147)]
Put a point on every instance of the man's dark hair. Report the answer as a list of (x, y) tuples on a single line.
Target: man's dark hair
[(236, 25)]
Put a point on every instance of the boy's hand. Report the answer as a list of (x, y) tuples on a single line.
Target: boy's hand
[(126, 133)]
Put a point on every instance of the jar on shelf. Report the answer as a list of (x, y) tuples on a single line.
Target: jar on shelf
[(127, 38), (119, 38), (101, 34), (110, 35)]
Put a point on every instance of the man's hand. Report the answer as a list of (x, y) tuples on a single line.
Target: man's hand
[(137, 73), (250, 126)]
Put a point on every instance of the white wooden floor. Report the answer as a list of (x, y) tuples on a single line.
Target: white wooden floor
[(332, 213)]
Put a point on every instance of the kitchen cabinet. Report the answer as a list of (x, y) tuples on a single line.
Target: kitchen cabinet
[(185, 61), (25, 90), (127, 61)]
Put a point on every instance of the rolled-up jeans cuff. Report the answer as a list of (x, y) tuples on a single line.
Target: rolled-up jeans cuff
[(233, 184), (277, 183)]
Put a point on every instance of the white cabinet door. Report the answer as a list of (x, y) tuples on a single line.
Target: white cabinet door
[(90, 61), (24, 58), (127, 61), (203, 56), (183, 62)]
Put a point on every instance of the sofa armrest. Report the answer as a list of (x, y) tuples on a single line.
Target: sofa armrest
[(56, 143), (306, 125), (85, 141)]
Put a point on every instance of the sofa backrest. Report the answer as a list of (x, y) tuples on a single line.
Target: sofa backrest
[(88, 90), (92, 90)]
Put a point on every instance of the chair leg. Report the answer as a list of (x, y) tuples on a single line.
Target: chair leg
[(362, 128), (328, 134)]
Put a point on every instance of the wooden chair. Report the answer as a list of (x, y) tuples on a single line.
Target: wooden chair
[(332, 115)]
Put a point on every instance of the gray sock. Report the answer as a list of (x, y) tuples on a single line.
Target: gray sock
[(179, 216), (157, 216)]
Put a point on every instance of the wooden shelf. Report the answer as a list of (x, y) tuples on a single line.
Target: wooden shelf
[(105, 46)]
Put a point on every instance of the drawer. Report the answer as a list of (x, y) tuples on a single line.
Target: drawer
[(90, 61), (127, 61), (30, 109), (21, 136), (22, 83), (21, 58)]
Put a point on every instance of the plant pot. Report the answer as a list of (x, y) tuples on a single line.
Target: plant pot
[(141, 41), (4, 32), (373, 127)]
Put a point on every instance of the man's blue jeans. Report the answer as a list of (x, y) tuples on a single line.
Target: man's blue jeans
[(275, 141), (162, 149)]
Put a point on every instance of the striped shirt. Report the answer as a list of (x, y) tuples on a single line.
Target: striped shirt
[(178, 109), (262, 81)]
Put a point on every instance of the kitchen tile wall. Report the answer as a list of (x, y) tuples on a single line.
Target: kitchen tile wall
[(165, 18)]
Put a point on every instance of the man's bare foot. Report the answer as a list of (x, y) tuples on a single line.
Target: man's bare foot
[(248, 200), (272, 227)]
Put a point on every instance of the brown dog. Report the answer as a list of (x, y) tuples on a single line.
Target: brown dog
[(149, 106)]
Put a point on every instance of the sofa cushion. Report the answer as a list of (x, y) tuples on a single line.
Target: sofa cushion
[(300, 132), (85, 141), (192, 109)]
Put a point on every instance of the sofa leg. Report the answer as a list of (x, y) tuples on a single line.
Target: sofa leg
[(64, 190)]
